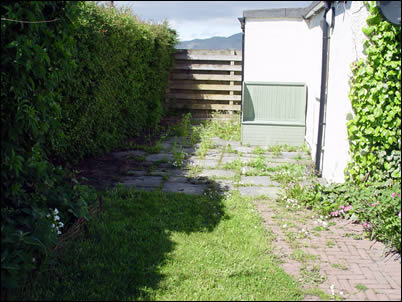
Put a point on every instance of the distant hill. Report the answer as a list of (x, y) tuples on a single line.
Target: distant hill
[(232, 42)]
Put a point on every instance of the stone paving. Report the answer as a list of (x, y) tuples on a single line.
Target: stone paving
[(336, 256)]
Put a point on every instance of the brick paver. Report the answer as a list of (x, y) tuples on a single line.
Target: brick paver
[(356, 268)]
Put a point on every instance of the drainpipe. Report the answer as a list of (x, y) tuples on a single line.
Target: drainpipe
[(323, 94), (242, 25)]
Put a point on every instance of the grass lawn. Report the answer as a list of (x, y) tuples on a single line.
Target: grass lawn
[(169, 246)]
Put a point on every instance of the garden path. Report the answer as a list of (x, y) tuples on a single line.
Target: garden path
[(330, 255)]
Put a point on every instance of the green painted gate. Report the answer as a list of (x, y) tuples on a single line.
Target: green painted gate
[(273, 113)]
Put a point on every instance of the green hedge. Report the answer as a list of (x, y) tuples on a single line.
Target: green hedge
[(72, 87), (375, 130), (120, 83)]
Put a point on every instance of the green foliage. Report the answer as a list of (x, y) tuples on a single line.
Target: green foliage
[(375, 130), (178, 154), (72, 87), (377, 207), (184, 127), (120, 82), (258, 150)]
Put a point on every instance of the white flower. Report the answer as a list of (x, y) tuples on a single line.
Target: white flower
[(53, 226), (315, 222), (58, 232), (306, 233), (33, 259), (302, 230), (57, 217), (56, 211), (312, 217), (48, 215), (287, 206), (326, 217), (61, 224), (285, 225), (321, 217), (341, 293)]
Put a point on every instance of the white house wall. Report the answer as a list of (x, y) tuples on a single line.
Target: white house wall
[(346, 46), (287, 50), (290, 50)]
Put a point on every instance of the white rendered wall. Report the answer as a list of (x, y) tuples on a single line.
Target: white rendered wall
[(346, 46), (276, 50), (287, 50), (290, 50)]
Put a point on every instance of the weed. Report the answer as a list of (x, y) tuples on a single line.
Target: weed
[(178, 154), (139, 158), (319, 228), (275, 149), (330, 243), (301, 256), (298, 156), (236, 164), (183, 128), (312, 275), (339, 266), (361, 287), (258, 150), (258, 163), (317, 292), (230, 150)]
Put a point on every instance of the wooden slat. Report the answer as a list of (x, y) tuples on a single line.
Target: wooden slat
[(209, 106), (208, 57), (189, 66), (204, 96), (178, 85), (206, 77)]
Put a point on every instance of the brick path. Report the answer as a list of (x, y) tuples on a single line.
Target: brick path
[(346, 263)]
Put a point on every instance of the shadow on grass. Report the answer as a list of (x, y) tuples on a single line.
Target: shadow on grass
[(120, 256)]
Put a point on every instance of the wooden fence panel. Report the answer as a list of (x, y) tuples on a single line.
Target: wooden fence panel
[(205, 81)]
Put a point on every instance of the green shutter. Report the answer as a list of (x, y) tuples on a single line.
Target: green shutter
[(273, 113)]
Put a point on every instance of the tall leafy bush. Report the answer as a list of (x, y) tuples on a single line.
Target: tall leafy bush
[(375, 130), (36, 61), (120, 83), (73, 86)]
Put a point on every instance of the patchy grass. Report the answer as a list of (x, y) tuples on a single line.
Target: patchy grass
[(160, 246)]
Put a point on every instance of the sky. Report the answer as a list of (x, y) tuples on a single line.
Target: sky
[(201, 19)]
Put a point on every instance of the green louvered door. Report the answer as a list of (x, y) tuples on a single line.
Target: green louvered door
[(273, 113)]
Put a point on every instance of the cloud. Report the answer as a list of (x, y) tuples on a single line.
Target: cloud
[(201, 19)]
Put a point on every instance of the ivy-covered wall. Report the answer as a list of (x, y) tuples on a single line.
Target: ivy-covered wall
[(75, 84), (375, 130)]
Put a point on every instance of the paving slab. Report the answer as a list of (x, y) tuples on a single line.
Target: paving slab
[(243, 149), (221, 142), (184, 187), (204, 163), (217, 173), (136, 173), (142, 181), (225, 184), (127, 154), (271, 192), (159, 156), (258, 180), (229, 158)]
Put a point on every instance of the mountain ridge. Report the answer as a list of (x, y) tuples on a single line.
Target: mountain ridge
[(217, 42)]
